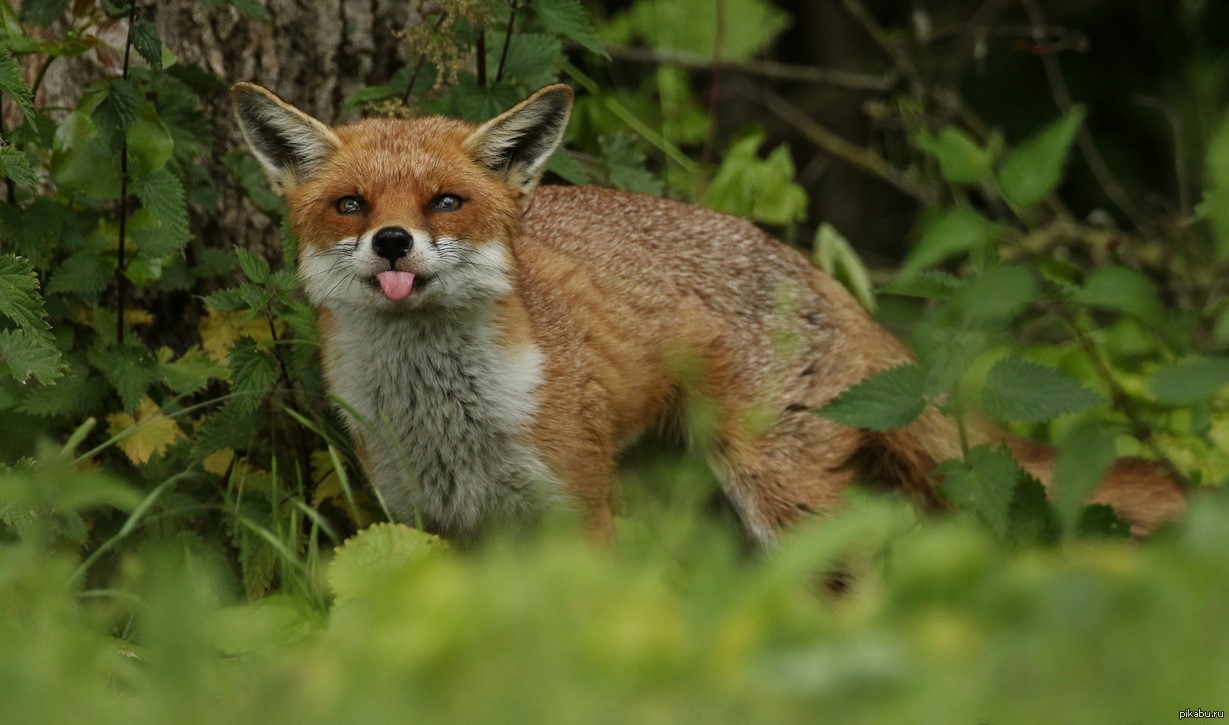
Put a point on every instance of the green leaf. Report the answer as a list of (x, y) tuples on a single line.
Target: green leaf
[(955, 231), (984, 482), (19, 297), (888, 399), (999, 291), (117, 111), (74, 395), (15, 165), (234, 425), (252, 372), (377, 554), (44, 12), (762, 189), (571, 20), (625, 167), (129, 368), (250, 8), (566, 167), (190, 373), (247, 171), (745, 27), (13, 85), (254, 266), (836, 256), (1021, 390), (163, 197), (266, 626), (84, 272), (533, 60), (1123, 289), (1085, 455), (931, 284), (477, 104), (1033, 170), (145, 40), (961, 160), (1190, 381), (30, 355)]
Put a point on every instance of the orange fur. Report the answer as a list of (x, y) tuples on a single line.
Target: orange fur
[(619, 309)]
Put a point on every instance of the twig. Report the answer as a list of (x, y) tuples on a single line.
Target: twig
[(1088, 147), (760, 68), (422, 58), (503, 54), (876, 32), (1175, 127), (480, 51), (121, 280), (714, 84), (853, 154)]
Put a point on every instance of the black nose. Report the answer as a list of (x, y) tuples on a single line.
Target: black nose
[(392, 243)]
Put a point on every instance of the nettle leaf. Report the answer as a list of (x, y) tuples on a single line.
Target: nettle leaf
[(76, 394), (150, 432), (376, 554), (20, 300), (246, 296), (931, 284), (1021, 390), (247, 171), (1087, 452), (84, 272), (985, 482), (254, 266), (33, 231), (625, 167), (163, 197), (1123, 289), (999, 291), (15, 165), (252, 372), (117, 111), (190, 373), (13, 84), (146, 42), (30, 355), (476, 103), (835, 255), (1032, 170), (961, 159), (1190, 381), (888, 399), (234, 425), (744, 27), (44, 12), (571, 20), (128, 368), (955, 231), (533, 59), (762, 189)]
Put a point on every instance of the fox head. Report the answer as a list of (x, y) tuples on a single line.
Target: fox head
[(401, 215)]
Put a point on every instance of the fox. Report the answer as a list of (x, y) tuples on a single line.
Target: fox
[(494, 343)]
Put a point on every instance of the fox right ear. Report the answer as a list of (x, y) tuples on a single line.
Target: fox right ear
[(289, 144)]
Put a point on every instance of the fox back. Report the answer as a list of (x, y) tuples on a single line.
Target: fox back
[(493, 345)]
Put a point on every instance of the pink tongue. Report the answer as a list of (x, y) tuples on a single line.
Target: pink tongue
[(396, 285)]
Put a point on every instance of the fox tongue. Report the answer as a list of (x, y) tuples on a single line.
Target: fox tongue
[(396, 285)]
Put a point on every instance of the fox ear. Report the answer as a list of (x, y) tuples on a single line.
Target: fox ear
[(517, 143), (288, 143)]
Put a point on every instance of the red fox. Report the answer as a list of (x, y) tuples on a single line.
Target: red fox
[(495, 344)]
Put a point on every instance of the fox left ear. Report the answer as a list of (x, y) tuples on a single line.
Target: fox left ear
[(289, 144), (517, 143)]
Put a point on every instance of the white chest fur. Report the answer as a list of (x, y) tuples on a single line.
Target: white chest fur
[(441, 411)]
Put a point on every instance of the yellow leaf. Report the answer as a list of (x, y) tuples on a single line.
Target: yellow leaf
[(152, 433), (138, 317), (220, 328), (218, 461)]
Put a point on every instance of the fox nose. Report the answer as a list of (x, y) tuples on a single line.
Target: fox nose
[(392, 243)]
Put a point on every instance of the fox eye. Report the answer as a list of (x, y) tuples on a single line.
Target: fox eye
[(349, 205), (447, 202)]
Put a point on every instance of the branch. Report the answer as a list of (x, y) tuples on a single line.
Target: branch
[(853, 154), (1088, 147), (761, 68)]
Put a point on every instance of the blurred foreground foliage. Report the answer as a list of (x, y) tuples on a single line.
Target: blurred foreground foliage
[(176, 554)]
